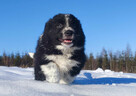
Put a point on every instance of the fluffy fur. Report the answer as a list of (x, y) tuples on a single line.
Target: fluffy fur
[(60, 53)]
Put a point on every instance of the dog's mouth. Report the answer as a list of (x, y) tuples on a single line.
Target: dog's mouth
[(66, 41)]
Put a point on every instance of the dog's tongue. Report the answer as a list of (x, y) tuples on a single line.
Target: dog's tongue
[(67, 41)]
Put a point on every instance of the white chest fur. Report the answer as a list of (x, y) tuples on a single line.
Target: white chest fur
[(63, 61)]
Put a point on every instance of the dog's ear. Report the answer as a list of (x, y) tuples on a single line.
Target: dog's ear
[(48, 25)]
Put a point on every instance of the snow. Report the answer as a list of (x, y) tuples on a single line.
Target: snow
[(31, 54), (16, 81)]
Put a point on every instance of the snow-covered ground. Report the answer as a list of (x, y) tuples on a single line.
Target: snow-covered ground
[(20, 82)]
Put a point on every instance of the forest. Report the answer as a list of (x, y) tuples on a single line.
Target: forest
[(16, 59), (116, 61)]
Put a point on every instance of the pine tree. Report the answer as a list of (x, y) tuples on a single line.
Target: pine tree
[(127, 59), (121, 63), (4, 59), (88, 65), (8, 61), (105, 62), (17, 60), (99, 61), (131, 63), (111, 61), (134, 64), (12, 59), (1, 61), (91, 60)]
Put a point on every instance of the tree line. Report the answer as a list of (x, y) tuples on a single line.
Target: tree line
[(118, 61), (16, 60)]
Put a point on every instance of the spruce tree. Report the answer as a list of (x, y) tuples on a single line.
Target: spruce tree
[(4, 59), (1, 61), (17, 60), (12, 59), (99, 61), (91, 60), (121, 63), (134, 63), (105, 62), (111, 61), (114, 63), (127, 59)]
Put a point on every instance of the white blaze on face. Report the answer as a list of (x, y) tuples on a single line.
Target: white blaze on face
[(66, 41), (67, 27), (67, 18)]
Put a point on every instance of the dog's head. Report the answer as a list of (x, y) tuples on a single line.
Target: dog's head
[(65, 29)]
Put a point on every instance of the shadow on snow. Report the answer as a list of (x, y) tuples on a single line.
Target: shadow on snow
[(106, 80)]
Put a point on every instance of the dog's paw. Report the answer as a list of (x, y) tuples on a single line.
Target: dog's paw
[(67, 79), (63, 82), (53, 78)]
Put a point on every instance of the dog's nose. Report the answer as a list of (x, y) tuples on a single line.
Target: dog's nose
[(68, 33)]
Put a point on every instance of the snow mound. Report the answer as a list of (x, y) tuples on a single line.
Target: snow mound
[(16, 81), (31, 54)]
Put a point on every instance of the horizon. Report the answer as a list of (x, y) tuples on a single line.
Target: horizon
[(107, 24)]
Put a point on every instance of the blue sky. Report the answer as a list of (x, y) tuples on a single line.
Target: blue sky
[(109, 24)]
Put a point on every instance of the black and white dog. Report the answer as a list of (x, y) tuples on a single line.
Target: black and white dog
[(60, 53)]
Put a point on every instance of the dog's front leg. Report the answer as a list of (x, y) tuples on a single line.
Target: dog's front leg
[(51, 72)]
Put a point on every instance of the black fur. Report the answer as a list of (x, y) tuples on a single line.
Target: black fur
[(50, 38)]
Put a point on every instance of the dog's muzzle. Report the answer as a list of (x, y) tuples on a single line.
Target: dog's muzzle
[(68, 33), (68, 37)]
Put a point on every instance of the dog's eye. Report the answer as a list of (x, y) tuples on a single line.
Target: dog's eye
[(59, 26)]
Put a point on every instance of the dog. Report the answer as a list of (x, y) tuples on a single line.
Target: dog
[(59, 55)]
